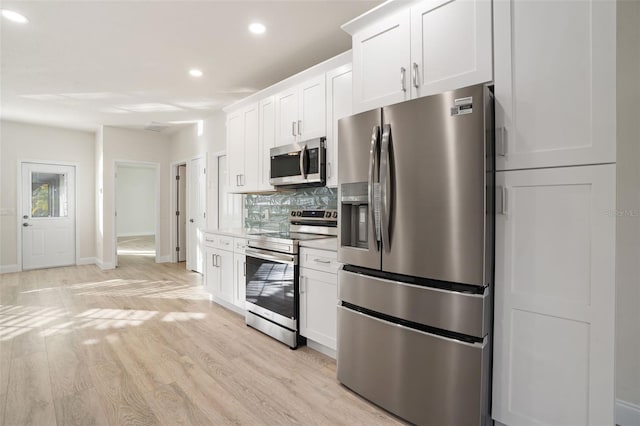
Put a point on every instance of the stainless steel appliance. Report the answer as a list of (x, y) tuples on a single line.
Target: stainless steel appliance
[(299, 165), (272, 276), (416, 186)]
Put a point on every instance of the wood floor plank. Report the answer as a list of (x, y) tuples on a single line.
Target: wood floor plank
[(29, 398), (68, 365), (171, 402), (80, 409)]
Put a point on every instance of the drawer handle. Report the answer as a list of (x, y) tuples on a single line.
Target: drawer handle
[(326, 262), (226, 243), (208, 240)]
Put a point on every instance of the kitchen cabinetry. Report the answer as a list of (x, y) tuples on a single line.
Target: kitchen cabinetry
[(427, 48), (300, 112), (554, 296), (319, 296), (555, 73), (224, 274), (339, 105), (267, 141), (243, 138)]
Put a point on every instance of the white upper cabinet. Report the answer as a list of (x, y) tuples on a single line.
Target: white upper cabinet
[(554, 296), (287, 116), (235, 150), (555, 74), (381, 62), (450, 45), (243, 133), (339, 105), (267, 141), (300, 112), (420, 49)]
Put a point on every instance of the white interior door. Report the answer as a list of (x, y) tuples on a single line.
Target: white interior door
[(197, 223), (181, 216), (48, 216)]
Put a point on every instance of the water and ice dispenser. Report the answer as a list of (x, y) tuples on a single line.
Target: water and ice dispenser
[(356, 214)]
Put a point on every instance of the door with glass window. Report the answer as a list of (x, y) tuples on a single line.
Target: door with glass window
[(48, 216)]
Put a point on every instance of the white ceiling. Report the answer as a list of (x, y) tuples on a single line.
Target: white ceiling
[(80, 64)]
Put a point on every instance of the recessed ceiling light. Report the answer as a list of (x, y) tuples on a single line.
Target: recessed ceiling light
[(14, 16), (195, 73), (257, 28)]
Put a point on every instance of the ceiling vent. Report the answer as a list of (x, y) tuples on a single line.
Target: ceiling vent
[(154, 126)]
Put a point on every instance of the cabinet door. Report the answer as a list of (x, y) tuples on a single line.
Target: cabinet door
[(227, 283), (235, 150), (554, 296), (287, 117), (339, 105), (318, 306), (267, 140), (251, 138), (240, 275), (451, 45), (211, 274), (381, 59), (312, 121), (555, 73)]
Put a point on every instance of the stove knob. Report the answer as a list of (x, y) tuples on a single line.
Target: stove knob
[(293, 213), (327, 214), (335, 215), (298, 213)]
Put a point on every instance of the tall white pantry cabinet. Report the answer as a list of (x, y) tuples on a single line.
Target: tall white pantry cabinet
[(553, 66)]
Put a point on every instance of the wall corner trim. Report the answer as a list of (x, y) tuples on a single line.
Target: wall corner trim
[(627, 414)]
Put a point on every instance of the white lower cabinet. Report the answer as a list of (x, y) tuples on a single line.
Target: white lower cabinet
[(225, 270), (319, 296), (554, 296)]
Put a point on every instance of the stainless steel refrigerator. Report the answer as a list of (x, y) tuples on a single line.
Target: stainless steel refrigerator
[(416, 192)]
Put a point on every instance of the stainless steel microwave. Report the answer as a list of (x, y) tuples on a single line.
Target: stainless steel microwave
[(298, 165)]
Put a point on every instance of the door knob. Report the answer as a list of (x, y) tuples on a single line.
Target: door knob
[(191, 220), (26, 216), (25, 224)]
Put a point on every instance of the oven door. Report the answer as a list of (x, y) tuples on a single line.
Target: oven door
[(298, 164), (272, 286)]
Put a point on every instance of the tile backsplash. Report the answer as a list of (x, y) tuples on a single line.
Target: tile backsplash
[(271, 211)]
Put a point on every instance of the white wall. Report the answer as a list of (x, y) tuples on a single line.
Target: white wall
[(120, 144), (136, 200), (628, 206), (19, 141)]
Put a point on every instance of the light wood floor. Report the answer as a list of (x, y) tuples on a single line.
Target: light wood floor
[(144, 245), (142, 345)]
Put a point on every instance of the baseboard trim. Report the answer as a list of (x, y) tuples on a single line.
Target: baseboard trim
[(321, 348), (163, 259), (87, 261), (105, 265), (7, 269), (627, 414)]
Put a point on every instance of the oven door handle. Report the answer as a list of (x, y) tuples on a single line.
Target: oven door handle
[(276, 257)]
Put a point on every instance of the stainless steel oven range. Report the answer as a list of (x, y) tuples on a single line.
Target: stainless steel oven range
[(272, 276)]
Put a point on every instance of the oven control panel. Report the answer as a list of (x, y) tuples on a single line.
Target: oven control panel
[(300, 215)]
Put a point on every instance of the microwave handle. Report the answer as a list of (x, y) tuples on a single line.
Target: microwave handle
[(303, 156)]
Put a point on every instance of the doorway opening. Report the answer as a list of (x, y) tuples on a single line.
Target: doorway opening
[(137, 209)]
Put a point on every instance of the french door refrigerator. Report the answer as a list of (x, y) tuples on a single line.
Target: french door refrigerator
[(416, 192)]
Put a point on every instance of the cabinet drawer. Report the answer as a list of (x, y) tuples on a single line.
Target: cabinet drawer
[(319, 260), (240, 244), (210, 240), (224, 242)]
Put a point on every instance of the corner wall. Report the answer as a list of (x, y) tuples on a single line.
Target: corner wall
[(21, 141)]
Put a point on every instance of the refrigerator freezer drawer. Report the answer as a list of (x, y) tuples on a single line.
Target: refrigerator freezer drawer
[(447, 310), (423, 378)]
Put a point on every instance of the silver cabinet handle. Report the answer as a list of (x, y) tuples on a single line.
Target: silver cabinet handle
[(245, 269), (403, 73), (208, 240), (302, 284), (501, 142), (293, 128), (237, 180), (300, 127), (326, 262), (213, 260), (504, 201), (373, 167), (328, 169), (415, 75), (385, 171), (303, 155)]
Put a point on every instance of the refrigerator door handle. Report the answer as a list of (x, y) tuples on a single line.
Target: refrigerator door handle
[(373, 166), (303, 154), (385, 212)]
